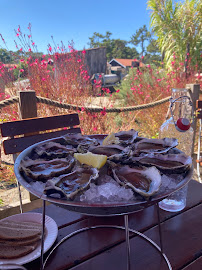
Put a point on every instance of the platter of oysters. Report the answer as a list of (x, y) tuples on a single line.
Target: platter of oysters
[(103, 174)]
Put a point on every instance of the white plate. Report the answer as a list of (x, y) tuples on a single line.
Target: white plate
[(50, 237)]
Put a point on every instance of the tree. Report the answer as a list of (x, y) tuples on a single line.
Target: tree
[(140, 37), (5, 56), (153, 53), (116, 48), (177, 26), (98, 39)]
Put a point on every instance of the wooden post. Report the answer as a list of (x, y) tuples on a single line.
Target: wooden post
[(194, 90), (2, 86), (27, 104), (28, 109)]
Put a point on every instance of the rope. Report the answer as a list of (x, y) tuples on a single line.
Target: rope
[(47, 101), (9, 101), (99, 109)]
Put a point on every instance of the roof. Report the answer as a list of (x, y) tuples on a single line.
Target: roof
[(10, 65), (126, 62)]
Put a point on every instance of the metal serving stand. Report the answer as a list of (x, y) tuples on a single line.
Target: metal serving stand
[(100, 210)]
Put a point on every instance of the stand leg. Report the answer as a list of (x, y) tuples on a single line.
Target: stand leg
[(18, 185), (115, 227), (20, 196), (127, 242), (159, 227), (43, 233)]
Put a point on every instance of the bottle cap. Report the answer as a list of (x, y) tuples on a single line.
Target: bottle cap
[(183, 124)]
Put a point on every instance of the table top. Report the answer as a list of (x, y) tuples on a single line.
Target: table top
[(105, 248)]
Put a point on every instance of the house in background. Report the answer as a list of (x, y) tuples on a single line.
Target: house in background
[(126, 63)]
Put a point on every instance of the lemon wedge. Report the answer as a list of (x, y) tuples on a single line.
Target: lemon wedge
[(110, 139), (94, 160)]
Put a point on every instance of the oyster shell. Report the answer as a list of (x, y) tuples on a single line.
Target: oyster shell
[(42, 170), (69, 185), (51, 150), (144, 181), (126, 137), (112, 151), (108, 150), (167, 163), (78, 139), (154, 145)]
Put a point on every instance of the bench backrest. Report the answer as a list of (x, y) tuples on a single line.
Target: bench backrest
[(199, 109), (24, 133)]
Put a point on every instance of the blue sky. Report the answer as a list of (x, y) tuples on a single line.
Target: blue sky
[(68, 20)]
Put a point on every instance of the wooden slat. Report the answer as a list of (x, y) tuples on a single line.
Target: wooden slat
[(61, 216), (199, 114), (195, 265), (199, 104), (16, 145), (10, 129)]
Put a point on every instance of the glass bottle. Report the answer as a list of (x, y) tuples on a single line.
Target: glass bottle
[(178, 125)]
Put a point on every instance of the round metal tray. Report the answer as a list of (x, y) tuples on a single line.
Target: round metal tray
[(97, 209)]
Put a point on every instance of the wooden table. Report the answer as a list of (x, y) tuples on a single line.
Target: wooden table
[(103, 248)]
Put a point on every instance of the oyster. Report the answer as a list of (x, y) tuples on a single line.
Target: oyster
[(154, 145), (42, 170), (126, 137), (50, 150), (69, 185), (112, 151), (78, 139), (108, 150), (168, 163), (144, 181)]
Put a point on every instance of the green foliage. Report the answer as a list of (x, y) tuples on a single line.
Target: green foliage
[(118, 120), (177, 26), (8, 57), (116, 48), (5, 56), (140, 37), (16, 73), (143, 78)]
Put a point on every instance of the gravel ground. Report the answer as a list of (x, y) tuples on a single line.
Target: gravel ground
[(9, 195)]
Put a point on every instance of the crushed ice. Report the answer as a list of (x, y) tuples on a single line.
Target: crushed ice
[(107, 190), (169, 183), (38, 185)]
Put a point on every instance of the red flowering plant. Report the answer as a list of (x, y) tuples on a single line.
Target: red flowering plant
[(60, 75), (147, 85)]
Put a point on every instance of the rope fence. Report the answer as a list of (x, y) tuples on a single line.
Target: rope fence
[(15, 99), (9, 101), (50, 102)]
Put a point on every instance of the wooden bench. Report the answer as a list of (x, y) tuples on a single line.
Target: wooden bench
[(18, 135)]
